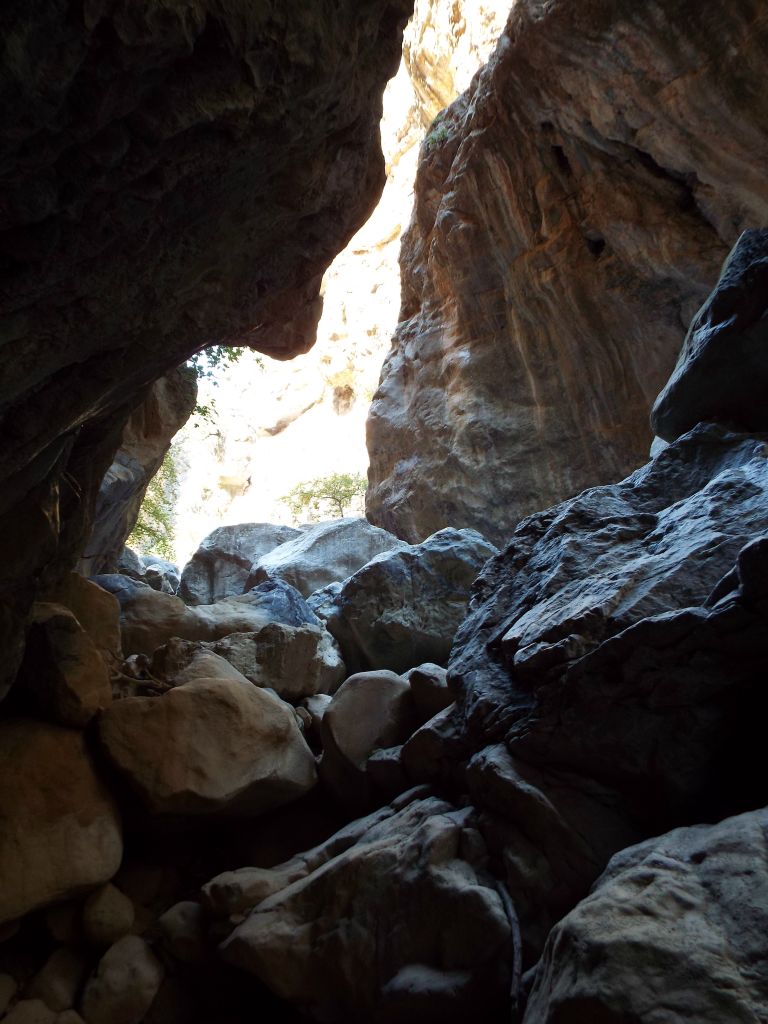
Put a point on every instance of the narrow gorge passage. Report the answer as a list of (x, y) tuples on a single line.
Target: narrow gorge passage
[(489, 748)]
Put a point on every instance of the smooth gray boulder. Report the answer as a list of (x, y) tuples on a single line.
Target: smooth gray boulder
[(222, 563), (365, 927), (323, 554), (676, 929), (404, 607), (722, 371)]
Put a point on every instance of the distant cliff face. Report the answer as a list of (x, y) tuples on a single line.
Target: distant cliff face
[(571, 213)]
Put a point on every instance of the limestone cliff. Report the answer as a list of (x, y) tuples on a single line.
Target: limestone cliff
[(572, 210), (173, 176)]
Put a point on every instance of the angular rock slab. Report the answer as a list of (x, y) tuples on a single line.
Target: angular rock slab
[(222, 563), (394, 920), (324, 554), (676, 930), (211, 746), (722, 371), (60, 831), (579, 573), (403, 608)]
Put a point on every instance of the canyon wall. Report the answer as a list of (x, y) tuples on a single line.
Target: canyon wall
[(279, 423), (571, 213), (172, 177)]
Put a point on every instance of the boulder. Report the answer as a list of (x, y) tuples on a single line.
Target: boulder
[(31, 1011), (125, 984), (60, 979), (97, 611), (675, 929), (392, 920), (182, 931), (722, 371), (431, 693), (61, 833), (108, 915), (160, 574), (323, 554), (294, 661), (209, 747), (148, 618), (403, 608), (370, 710), (222, 563), (63, 672), (181, 661)]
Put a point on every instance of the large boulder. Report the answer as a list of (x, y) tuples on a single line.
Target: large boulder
[(403, 608), (392, 920), (149, 618), (323, 554), (209, 747), (97, 611), (294, 661), (222, 563), (61, 832), (676, 929), (722, 371), (124, 985)]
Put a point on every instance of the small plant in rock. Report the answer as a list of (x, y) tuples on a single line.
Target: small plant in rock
[(154, 529), (330, 496), (437, 134)]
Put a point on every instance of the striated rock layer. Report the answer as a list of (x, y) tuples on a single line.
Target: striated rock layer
[(572, 211), (172, 177)]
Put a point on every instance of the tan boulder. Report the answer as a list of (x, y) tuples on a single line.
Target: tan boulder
[(63, 671), (108, 915), (97, 611), (294, 661), (211, 746), (126, 982), (60, 978), (60, 832)]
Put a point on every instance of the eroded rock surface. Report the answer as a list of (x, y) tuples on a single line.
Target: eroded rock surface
[(61, 833), (145, 440), (571, 214), (722, 371), (400, 881), (675, 930)]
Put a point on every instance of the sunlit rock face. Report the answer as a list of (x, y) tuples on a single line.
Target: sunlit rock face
[(172, 177), (571, 213), (283, 423)]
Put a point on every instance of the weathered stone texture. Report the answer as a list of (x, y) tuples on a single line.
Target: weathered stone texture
[(572, 211)]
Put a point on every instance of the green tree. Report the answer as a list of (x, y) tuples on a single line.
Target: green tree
[(154, 529), (330, 495)]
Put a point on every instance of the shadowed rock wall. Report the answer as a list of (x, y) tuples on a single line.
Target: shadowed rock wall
[(172, 177), (572, 210)]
